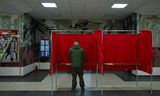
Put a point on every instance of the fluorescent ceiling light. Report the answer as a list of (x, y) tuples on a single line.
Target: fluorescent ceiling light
[(119, 5), (49, 5)]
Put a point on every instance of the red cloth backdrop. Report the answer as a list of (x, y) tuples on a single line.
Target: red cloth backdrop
[(128, 49), (98, 36), (120, 48), (86, 41), (53, 53), (145, 51)]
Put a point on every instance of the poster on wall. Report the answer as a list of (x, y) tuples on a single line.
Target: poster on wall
[(9, 46), (45, 47)]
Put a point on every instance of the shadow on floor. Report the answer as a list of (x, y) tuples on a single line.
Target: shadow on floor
[(128, 76), (31, 77)]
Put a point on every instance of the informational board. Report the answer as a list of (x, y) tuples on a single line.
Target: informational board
[(45, 48)]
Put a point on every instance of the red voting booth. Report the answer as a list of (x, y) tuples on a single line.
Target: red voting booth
[(104, 51), (128, 51)]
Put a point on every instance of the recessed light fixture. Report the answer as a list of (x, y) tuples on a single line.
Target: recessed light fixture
[(119, 5), (53, 5)]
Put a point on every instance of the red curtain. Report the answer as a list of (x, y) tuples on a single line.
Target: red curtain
[(128, 49), (98, 36), (53, 53), (145, 51), (120, 48), (86, 41)]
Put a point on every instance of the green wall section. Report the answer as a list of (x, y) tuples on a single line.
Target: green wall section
[(85, 24), (150, 23), (11, 22), (128, 23), (93, 24)]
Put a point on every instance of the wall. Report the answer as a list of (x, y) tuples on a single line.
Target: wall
[(10, 21), (32, 30), (84, 24), (128, 23)]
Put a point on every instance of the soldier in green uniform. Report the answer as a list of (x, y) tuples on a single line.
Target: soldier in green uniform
[(76, 56)]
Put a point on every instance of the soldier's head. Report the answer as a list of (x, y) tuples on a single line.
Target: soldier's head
[(76, 43)]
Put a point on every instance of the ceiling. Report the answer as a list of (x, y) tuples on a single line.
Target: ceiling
[(80, 9)]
